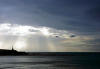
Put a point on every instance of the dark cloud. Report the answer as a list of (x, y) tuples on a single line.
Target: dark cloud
[(70, 15), (72, 36), (94, 13)]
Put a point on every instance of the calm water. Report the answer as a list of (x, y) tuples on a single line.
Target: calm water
[(60, 62)]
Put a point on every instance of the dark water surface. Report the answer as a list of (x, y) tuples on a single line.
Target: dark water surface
[(48, 62)]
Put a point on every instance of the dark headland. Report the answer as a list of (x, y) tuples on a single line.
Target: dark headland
[(5, 52)]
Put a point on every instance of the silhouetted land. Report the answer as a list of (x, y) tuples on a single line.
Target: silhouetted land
[(4, 52)]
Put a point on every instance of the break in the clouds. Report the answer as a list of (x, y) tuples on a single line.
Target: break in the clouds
[(50, 25), (25, 30)]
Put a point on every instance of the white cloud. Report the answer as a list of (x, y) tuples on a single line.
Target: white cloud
[(22, 30), (35, 38)]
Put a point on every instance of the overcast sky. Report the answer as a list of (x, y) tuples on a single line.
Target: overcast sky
[(50, 25)]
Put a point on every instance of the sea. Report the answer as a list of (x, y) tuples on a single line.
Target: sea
[(49, 62)]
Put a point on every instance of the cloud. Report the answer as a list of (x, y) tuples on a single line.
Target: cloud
[(58, 24), (94, 13), (73, 36), (59, 14), (41, 38), (23, 30)]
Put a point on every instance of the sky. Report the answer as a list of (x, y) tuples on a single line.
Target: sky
[(50, 25)]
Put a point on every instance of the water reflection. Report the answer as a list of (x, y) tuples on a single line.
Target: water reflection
[(33, 62)]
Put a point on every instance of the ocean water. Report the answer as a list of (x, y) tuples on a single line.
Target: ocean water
[(49, 62)]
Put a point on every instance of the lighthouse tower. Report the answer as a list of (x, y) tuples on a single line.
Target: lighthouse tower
[(13, 49)]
